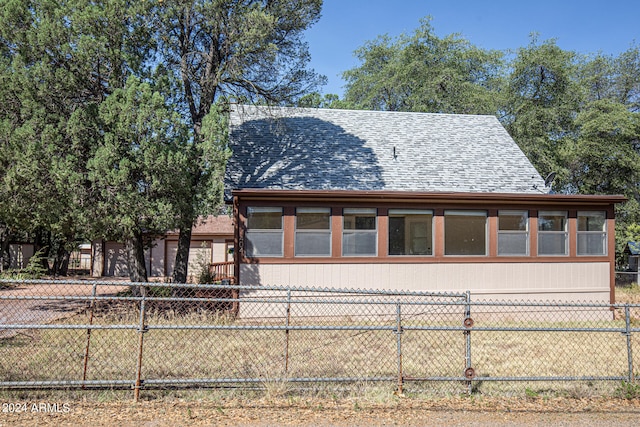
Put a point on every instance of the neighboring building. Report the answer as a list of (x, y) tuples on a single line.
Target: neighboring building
[(211, 242), (20, 254), (632, 250), (415, 201), (80, 259)]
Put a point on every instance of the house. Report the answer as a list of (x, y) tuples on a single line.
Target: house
[(411, 201), (211, 243)]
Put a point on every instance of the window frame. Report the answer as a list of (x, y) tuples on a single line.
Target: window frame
[(470, 213), (301, 231), (604, 233), (355, 231), (263, 231), (400, 212), (565, 232), (526, 232)]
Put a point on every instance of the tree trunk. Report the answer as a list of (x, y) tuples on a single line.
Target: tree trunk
[(42, 239), (61, 264), (182, 255), (187, 215), (135, 254), (5, 253)]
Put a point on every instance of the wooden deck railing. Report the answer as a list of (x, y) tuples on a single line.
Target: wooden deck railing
[(223, 270)]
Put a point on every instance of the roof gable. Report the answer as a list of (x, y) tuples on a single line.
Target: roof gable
[(321, 149), (220, 225)]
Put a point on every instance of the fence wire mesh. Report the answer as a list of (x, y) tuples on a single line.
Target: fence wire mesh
[(84, 334)]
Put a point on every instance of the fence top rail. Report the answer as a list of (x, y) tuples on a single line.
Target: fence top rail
[(293, 294), (323, 299), (284, 289)]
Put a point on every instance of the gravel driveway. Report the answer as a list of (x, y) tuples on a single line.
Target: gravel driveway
[(16, 310)]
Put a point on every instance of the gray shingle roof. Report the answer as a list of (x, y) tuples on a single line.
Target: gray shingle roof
[(321, 149)]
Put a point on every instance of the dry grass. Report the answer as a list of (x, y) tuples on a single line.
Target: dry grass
[(39, 355), (451, 411), (628, 294)]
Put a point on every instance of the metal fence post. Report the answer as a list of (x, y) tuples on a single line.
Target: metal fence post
[(468, 323), (141, 331), (286, 334), (86, 349), (399, 346), (627, 315)]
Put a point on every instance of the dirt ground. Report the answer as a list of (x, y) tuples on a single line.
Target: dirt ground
[(457, 411), (34, 311)]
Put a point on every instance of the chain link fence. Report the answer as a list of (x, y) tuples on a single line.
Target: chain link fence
[(82, 334)]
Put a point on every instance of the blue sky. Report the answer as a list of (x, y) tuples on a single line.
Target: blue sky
[(585, 26)]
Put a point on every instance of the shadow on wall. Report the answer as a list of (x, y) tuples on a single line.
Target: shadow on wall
[(300, 153), (116, 260), (250, 274)]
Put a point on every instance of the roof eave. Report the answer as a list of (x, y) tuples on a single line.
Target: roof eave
[(390, 196)]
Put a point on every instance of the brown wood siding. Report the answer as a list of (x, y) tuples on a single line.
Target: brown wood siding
[(533, 234), (336, 232), (611, 235), (383, 230), (573, 233), (492, 230)]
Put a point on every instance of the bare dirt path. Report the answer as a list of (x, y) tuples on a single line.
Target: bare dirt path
[(349, 412)]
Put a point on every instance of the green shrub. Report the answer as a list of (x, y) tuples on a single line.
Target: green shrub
[(628, 390), (35, 268), (205, 276)]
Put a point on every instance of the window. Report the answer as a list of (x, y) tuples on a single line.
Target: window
[(592, 233), (313, 232), (552, 233), (264, 235), (359, 232), (410, 232), (513, 233), (465, 232)]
